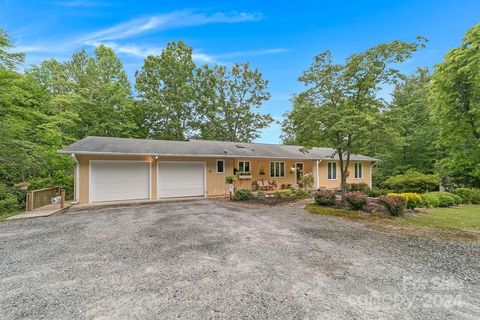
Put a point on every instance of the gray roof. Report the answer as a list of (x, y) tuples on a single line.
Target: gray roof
[(197, 148)]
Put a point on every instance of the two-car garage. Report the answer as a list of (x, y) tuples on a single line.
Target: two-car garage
[(116, 180)]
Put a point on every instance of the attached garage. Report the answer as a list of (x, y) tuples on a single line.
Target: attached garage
[(119, 180), (181, 179)]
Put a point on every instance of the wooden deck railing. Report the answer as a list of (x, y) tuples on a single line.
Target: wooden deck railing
[(42, 197)]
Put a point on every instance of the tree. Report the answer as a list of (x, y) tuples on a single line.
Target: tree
[(8, 60), (226, 102), (165, 91), (412, 137), (341, 106), (455, 93)]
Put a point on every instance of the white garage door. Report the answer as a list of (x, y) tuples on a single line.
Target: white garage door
[(119, 180), (181, 179)]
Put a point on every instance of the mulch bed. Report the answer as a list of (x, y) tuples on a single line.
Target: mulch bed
[(272, 201)]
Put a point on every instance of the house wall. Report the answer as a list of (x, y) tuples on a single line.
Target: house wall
[(335, 184), (257, 164), (215, 182)]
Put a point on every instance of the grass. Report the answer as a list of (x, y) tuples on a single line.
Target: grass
[(456, 223), (6, 215)]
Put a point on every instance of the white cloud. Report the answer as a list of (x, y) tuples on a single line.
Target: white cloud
[(177, 19)]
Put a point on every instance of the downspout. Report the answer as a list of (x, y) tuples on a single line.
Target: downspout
[(76, 182)]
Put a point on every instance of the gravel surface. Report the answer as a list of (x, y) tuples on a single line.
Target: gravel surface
[(212, 259)]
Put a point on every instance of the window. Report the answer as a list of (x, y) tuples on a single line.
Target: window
[(332, 171), (220, 166), (277, 169), (358, 170), (244, 166)]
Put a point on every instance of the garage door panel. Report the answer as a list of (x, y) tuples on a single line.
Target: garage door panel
[(119, 180), (181, 179)]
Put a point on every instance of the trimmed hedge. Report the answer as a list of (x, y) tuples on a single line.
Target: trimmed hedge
[(413, 181), (413, 200), (325, 198), (361, 187), (468, 195), (356, 200), (441, 199)]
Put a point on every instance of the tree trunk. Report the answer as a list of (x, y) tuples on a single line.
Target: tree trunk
[(343, 173)]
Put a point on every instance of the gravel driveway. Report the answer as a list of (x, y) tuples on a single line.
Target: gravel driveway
[(212, 259)]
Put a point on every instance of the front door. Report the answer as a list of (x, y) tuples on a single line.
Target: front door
[(299, 171)]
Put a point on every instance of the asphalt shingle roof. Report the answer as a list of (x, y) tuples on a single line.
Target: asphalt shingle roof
[(197, 148)]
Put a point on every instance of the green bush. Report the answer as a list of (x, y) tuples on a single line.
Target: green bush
[(325, 198), (287, 193), (394, 205), (412, 181), (242, 194), (356, 200), (465, 193), (377, 192), (361, 187), (278, 195), (8, 200), (468, 195), (301, 192), (413, 200), (441, 199)]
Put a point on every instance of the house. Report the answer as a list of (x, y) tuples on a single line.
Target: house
[(112, 169)]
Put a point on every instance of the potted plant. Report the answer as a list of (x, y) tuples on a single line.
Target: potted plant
[(230, 180)]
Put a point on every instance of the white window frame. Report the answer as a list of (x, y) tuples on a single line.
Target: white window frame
[(270, 169), (249, 166), (216, 165), (333, 172), (360, 165)]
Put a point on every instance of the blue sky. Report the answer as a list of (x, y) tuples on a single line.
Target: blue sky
[(280, 38)]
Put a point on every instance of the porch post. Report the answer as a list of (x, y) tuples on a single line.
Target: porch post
[(316, 182)]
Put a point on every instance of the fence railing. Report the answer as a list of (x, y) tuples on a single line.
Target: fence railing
[(42, 197)]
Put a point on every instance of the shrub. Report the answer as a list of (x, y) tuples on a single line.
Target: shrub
[(468, 195), (230, 179), (325, 198), (301, 192), (394, 205), (413, 200), (356, 200), (441, 199), (376, 192), (287, 192), (413, 181), (278, 195), (242, 194), (361, 187), (8, 200)]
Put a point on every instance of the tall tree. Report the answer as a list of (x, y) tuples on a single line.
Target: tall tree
[(455, 92), (165, 91), (341, 107), (9, 60), (412, 140), (227, 99)]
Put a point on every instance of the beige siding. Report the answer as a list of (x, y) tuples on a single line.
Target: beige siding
[(335, 184), (215, 182)]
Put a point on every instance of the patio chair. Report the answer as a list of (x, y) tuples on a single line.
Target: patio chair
[(267, 185), (259, 184)]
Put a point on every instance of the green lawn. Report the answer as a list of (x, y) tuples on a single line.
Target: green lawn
[(462, 222), (6, 215)]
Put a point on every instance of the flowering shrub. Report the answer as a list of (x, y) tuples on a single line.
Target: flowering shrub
[(325, 198), (394, 204), (413, 200), (356, 200)]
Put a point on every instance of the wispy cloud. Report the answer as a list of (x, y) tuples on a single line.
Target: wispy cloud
[(81, 3), (177, 19)]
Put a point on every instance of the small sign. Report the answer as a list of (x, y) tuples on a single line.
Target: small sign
[(230, 187)]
